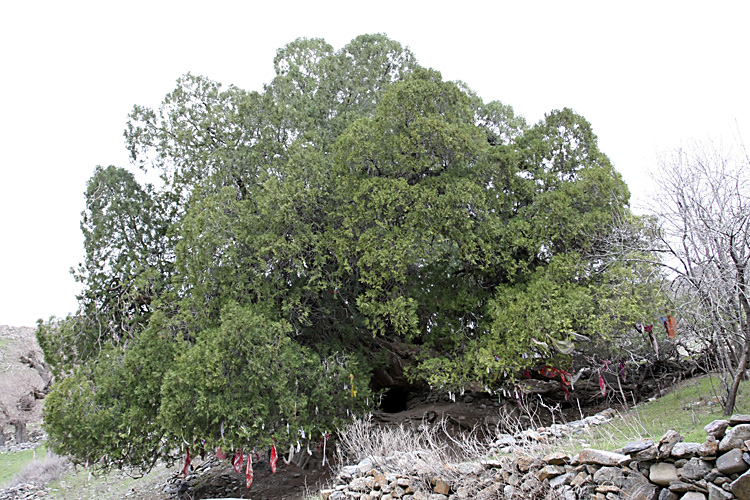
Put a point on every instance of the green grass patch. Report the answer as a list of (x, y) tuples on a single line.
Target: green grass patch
[(13, 462), (685, 409)]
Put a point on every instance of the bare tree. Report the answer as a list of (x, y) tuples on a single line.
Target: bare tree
[(25, 379), (704, 216)]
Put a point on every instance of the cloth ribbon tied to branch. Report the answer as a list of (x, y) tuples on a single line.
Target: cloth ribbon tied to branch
[(188, 459), (274, 458), (249, 475), (670, 324), (237, 461), (565, 377)]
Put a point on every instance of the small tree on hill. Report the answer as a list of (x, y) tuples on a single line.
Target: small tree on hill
[(704, 209)]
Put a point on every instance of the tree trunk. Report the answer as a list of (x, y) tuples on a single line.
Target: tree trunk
[(21, 435), (738, 376)]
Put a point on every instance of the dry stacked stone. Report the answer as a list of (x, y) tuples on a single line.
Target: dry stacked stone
[(670, 469), (24, 491)]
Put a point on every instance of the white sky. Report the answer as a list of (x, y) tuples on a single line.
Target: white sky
[(646, 74)]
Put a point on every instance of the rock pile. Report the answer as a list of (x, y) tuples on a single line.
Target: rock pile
[(35, 438), (24, 491), (670, 469)]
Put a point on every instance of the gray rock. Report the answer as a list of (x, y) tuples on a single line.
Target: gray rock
[(695, 469), (709, 448), (637, 487), (557, 458), (741, 487), (645, 455), (735, 438), (716, 493), (463, 492), (610, 476), (505, 440), (686, 450), (598, 457), (561, 480), (679, 486), (360, 484), (636, 446), (550, 471), (569, 493), (668, 495), (365, 466), (731, 462), (580, 479), (348, 471), (716, 428), (693, 495), (739, 419), (667, 442), (663, 473)]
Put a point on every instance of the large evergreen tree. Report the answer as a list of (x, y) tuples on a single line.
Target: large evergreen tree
[(358, 197)]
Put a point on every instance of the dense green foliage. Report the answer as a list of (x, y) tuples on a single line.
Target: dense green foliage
[(358, 197)]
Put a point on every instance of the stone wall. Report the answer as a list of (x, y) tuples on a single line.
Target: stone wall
[(670, 469)]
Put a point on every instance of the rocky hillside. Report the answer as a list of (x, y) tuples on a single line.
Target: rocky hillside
[(24, 381)]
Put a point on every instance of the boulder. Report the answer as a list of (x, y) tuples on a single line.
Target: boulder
[(716, 493), (695, 469), (693, 495), (739, 419), (441, 487), (598, 457), (610, 475), (679, 486), (735, 438), (731, 462), (523, 463), (667, 442), (549, 471), (741, 487), (580, 479), (717, 428), (637, 446), (668, 495), (561, 480), (663, 473), (709, 448), (646, 455), (361, 484), (686, 450), (557, 458), (637, 487)]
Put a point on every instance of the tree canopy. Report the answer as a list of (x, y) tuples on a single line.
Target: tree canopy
[(358, 197)]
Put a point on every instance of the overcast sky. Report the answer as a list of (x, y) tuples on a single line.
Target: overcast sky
[(647, 75)]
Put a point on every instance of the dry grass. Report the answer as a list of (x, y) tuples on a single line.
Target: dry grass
[(42, 471), (401, 448)]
